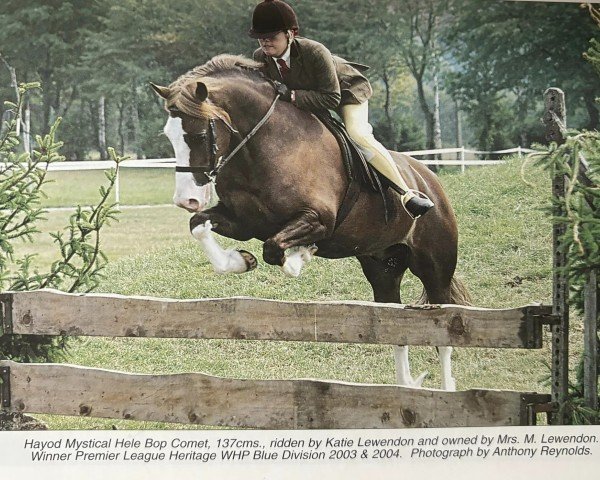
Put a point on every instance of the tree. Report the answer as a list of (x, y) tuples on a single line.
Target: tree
[(513, 51), (80, 261), (370, 32), (43, 40)]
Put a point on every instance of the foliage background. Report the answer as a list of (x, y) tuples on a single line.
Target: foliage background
[(490, 60)]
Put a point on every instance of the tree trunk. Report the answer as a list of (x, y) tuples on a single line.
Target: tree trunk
[(437, 128), (459, 135), (135, 127), (134, 120), (15, 85), (592, 109), (47, 99), (102, 128), (391, 128), (122, 106), (27, 128), (426, 112)]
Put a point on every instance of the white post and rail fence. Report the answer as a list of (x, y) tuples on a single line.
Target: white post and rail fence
[(465, 158)]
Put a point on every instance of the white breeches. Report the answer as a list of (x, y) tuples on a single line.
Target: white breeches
[(356, 119)]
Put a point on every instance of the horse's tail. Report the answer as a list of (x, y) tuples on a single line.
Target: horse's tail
[(459, 294)]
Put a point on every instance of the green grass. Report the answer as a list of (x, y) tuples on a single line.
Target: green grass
[(505, 259), (138, 231), (138, 186)]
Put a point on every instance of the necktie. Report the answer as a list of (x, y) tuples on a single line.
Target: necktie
[(283, 67)]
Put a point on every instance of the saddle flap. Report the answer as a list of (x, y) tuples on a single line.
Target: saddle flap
[(357, 166), (360, 172)]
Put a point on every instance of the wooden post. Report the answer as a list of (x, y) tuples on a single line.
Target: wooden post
[(590, 332), (555, 121)]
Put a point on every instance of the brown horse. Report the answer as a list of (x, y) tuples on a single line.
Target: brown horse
[(285, 187)]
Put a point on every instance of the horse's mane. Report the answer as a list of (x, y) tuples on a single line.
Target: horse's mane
[(182, 90), (218, 64)]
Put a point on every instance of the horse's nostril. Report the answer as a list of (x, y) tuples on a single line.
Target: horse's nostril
[(190, 204)]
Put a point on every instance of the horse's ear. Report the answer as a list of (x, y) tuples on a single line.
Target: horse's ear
[(201, 91), (161, 91)]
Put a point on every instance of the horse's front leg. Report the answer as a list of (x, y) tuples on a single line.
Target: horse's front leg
[(294, 245), (220, 220)]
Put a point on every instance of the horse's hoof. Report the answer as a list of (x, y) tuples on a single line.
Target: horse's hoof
[(413, 382), (202, 231), (418, 382), (292, 268), (449, 385), (251, 261)]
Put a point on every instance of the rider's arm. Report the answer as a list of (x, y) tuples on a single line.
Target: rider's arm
[(326, 95), (318, 64)]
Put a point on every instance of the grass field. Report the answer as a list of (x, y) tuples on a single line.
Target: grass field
[(138, 186), (505, 259)]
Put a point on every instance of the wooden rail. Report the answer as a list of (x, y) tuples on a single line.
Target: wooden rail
[(50, 312), (274, 404)]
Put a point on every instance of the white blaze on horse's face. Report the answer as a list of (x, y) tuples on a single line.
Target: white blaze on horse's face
[(187, 195)]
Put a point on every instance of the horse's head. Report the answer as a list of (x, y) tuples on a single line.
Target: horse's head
[(197, 131)]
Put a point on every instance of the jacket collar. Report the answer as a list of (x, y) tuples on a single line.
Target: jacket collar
[(295, 59), (296, 52)]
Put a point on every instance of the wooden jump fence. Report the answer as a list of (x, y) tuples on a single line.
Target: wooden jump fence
[(290, 404), (277, 404)]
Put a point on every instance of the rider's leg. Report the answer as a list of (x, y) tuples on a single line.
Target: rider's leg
[(356, 119)]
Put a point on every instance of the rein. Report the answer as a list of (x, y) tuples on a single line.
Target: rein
[(212, 171)]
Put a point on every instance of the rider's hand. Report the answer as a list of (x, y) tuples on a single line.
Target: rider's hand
[(284, 92)]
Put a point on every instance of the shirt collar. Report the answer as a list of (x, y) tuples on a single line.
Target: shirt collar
[(286, 55)]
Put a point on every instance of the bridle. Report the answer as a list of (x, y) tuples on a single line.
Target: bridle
[(216, 164)]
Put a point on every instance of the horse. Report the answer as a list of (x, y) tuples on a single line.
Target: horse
[(283, 182)]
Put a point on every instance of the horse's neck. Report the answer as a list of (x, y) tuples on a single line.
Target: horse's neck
[(246, 103)]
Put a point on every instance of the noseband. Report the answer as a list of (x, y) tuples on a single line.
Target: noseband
[(216, 165)]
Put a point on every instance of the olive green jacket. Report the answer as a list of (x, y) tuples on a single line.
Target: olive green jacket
[(321, 81)]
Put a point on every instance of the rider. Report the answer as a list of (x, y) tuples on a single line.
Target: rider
[(314, 79)]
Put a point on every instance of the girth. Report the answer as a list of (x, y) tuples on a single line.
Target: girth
[(358, 170)]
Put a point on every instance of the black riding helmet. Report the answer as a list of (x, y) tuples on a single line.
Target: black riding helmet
[(271, 17)]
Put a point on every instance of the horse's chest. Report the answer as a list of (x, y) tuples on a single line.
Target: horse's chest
[(254, 210)]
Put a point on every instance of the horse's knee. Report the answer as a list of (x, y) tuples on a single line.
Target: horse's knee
[(273, 254), (198, 219)]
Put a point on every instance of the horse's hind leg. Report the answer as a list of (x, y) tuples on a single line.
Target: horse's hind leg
[(440, 286), (385, 277)]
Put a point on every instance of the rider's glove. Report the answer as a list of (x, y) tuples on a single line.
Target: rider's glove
[(284, 92)]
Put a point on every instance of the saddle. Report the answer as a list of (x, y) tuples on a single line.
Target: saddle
[(359, 171)]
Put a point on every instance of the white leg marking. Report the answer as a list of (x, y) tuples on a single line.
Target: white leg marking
[(295, 258), (445, 356), (403, 376), (223, 261)]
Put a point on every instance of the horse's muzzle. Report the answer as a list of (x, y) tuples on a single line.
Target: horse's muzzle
[(192, 205)]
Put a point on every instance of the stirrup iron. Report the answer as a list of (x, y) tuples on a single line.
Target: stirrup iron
[(418, 205)]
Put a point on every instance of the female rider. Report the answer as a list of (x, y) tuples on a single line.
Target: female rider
[(313, 79)]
